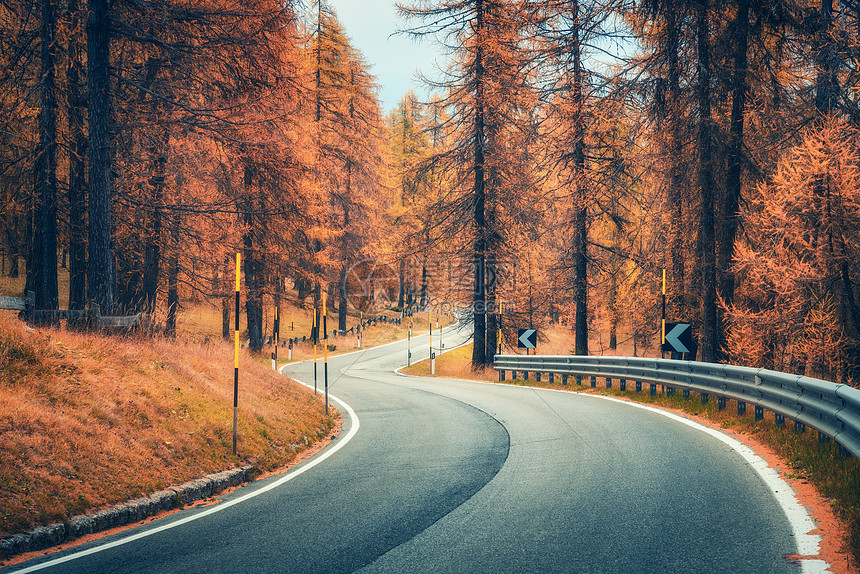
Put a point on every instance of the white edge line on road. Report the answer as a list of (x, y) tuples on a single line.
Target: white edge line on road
[(798, 516), (291, 474)]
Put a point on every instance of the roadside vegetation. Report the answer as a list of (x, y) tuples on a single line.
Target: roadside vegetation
[(89, 421), (835, 477)]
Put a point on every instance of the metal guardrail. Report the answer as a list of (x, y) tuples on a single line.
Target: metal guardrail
[(830, 408), (91, 316)]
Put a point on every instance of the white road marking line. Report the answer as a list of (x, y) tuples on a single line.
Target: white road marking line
[(218, 508), (798, 516)]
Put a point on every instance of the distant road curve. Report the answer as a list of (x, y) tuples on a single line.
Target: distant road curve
[(455, 476)]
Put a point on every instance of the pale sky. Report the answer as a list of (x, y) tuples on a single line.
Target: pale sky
[(394, 60)]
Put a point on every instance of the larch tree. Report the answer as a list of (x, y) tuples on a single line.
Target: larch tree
[(482, 89)]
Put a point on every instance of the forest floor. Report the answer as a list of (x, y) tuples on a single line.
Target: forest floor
[(825, 482)]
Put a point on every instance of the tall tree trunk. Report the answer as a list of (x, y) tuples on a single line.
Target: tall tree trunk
[(706, 239), (492, 342), (342, 299), (735, 156), (479, 357), (826, 82), (401, 282), (45, 236), (226, 301), (152, 239), (423, 299), (77, 161), (173, 277), (100, 272), (253, 271), (676, 280), (580, 207)]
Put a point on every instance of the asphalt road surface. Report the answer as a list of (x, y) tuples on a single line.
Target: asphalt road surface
[(434, 475)]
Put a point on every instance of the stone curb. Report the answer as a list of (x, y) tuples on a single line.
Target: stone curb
[(122, 514)]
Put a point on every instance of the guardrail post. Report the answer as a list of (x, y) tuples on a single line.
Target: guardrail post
[(622, 383), (525, 375), (823, 438), (721, 403), (653, 389), (552, 378), (759, 413), (593, 381), (30, 306), (779, 420), (537, 376), (686, 394), (513, 375), (564, 378), (842, 451), (501, 374), (669, 391), (742, 408), (638, 386), (608, 382), (704, 398), (799, 427), (579, 380)]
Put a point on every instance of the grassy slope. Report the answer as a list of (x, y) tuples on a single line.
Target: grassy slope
[(836, 478), (87, 422), (90, 421)]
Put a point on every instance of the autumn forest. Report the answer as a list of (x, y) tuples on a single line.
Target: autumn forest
[(569, 153)]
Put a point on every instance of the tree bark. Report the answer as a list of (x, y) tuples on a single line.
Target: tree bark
[(342, 299), (252, 267), (45, 232), (152, 242), (100, 272), (580, 207), (77, 161), (173, 278), (479, 357), (676, 280), (706, 239), (735, 156)]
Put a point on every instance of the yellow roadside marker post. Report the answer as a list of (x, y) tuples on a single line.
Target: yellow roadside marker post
[(275, 334), (314, 330), (236, 361), (663, 320), (325, 349)]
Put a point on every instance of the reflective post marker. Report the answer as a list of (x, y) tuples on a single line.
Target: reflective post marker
[(663, 321), (236, 362), (432, 356), (325, 350), (314, 336), (409, 345), (275, 334)]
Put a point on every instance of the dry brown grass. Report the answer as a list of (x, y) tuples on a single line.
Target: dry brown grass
[(89, 421)]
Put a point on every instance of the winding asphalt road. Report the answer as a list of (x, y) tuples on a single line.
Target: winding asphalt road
[(434, 475)]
